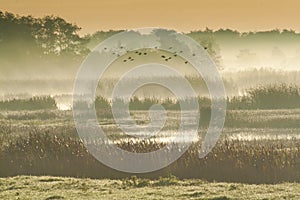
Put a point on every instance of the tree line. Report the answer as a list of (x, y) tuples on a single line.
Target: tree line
[(53, 40)]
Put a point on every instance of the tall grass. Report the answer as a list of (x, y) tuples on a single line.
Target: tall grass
[(274, 96), (51, 153), (34, 103)]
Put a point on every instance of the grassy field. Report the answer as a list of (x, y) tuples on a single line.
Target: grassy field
[(256, 146), (45, 187)]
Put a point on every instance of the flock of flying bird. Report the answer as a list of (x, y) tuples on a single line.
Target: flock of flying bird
[(166, 58)]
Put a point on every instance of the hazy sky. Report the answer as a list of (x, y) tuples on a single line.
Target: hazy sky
[(182, 15)]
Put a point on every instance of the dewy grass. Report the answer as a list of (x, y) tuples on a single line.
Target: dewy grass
[(45, 187)]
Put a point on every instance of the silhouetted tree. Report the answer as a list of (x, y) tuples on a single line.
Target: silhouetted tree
[(48, 39)]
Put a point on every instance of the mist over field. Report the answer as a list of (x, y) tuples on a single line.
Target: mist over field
[(41, 56)]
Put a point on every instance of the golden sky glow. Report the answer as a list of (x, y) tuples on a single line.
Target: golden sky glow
[(181, 15)]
